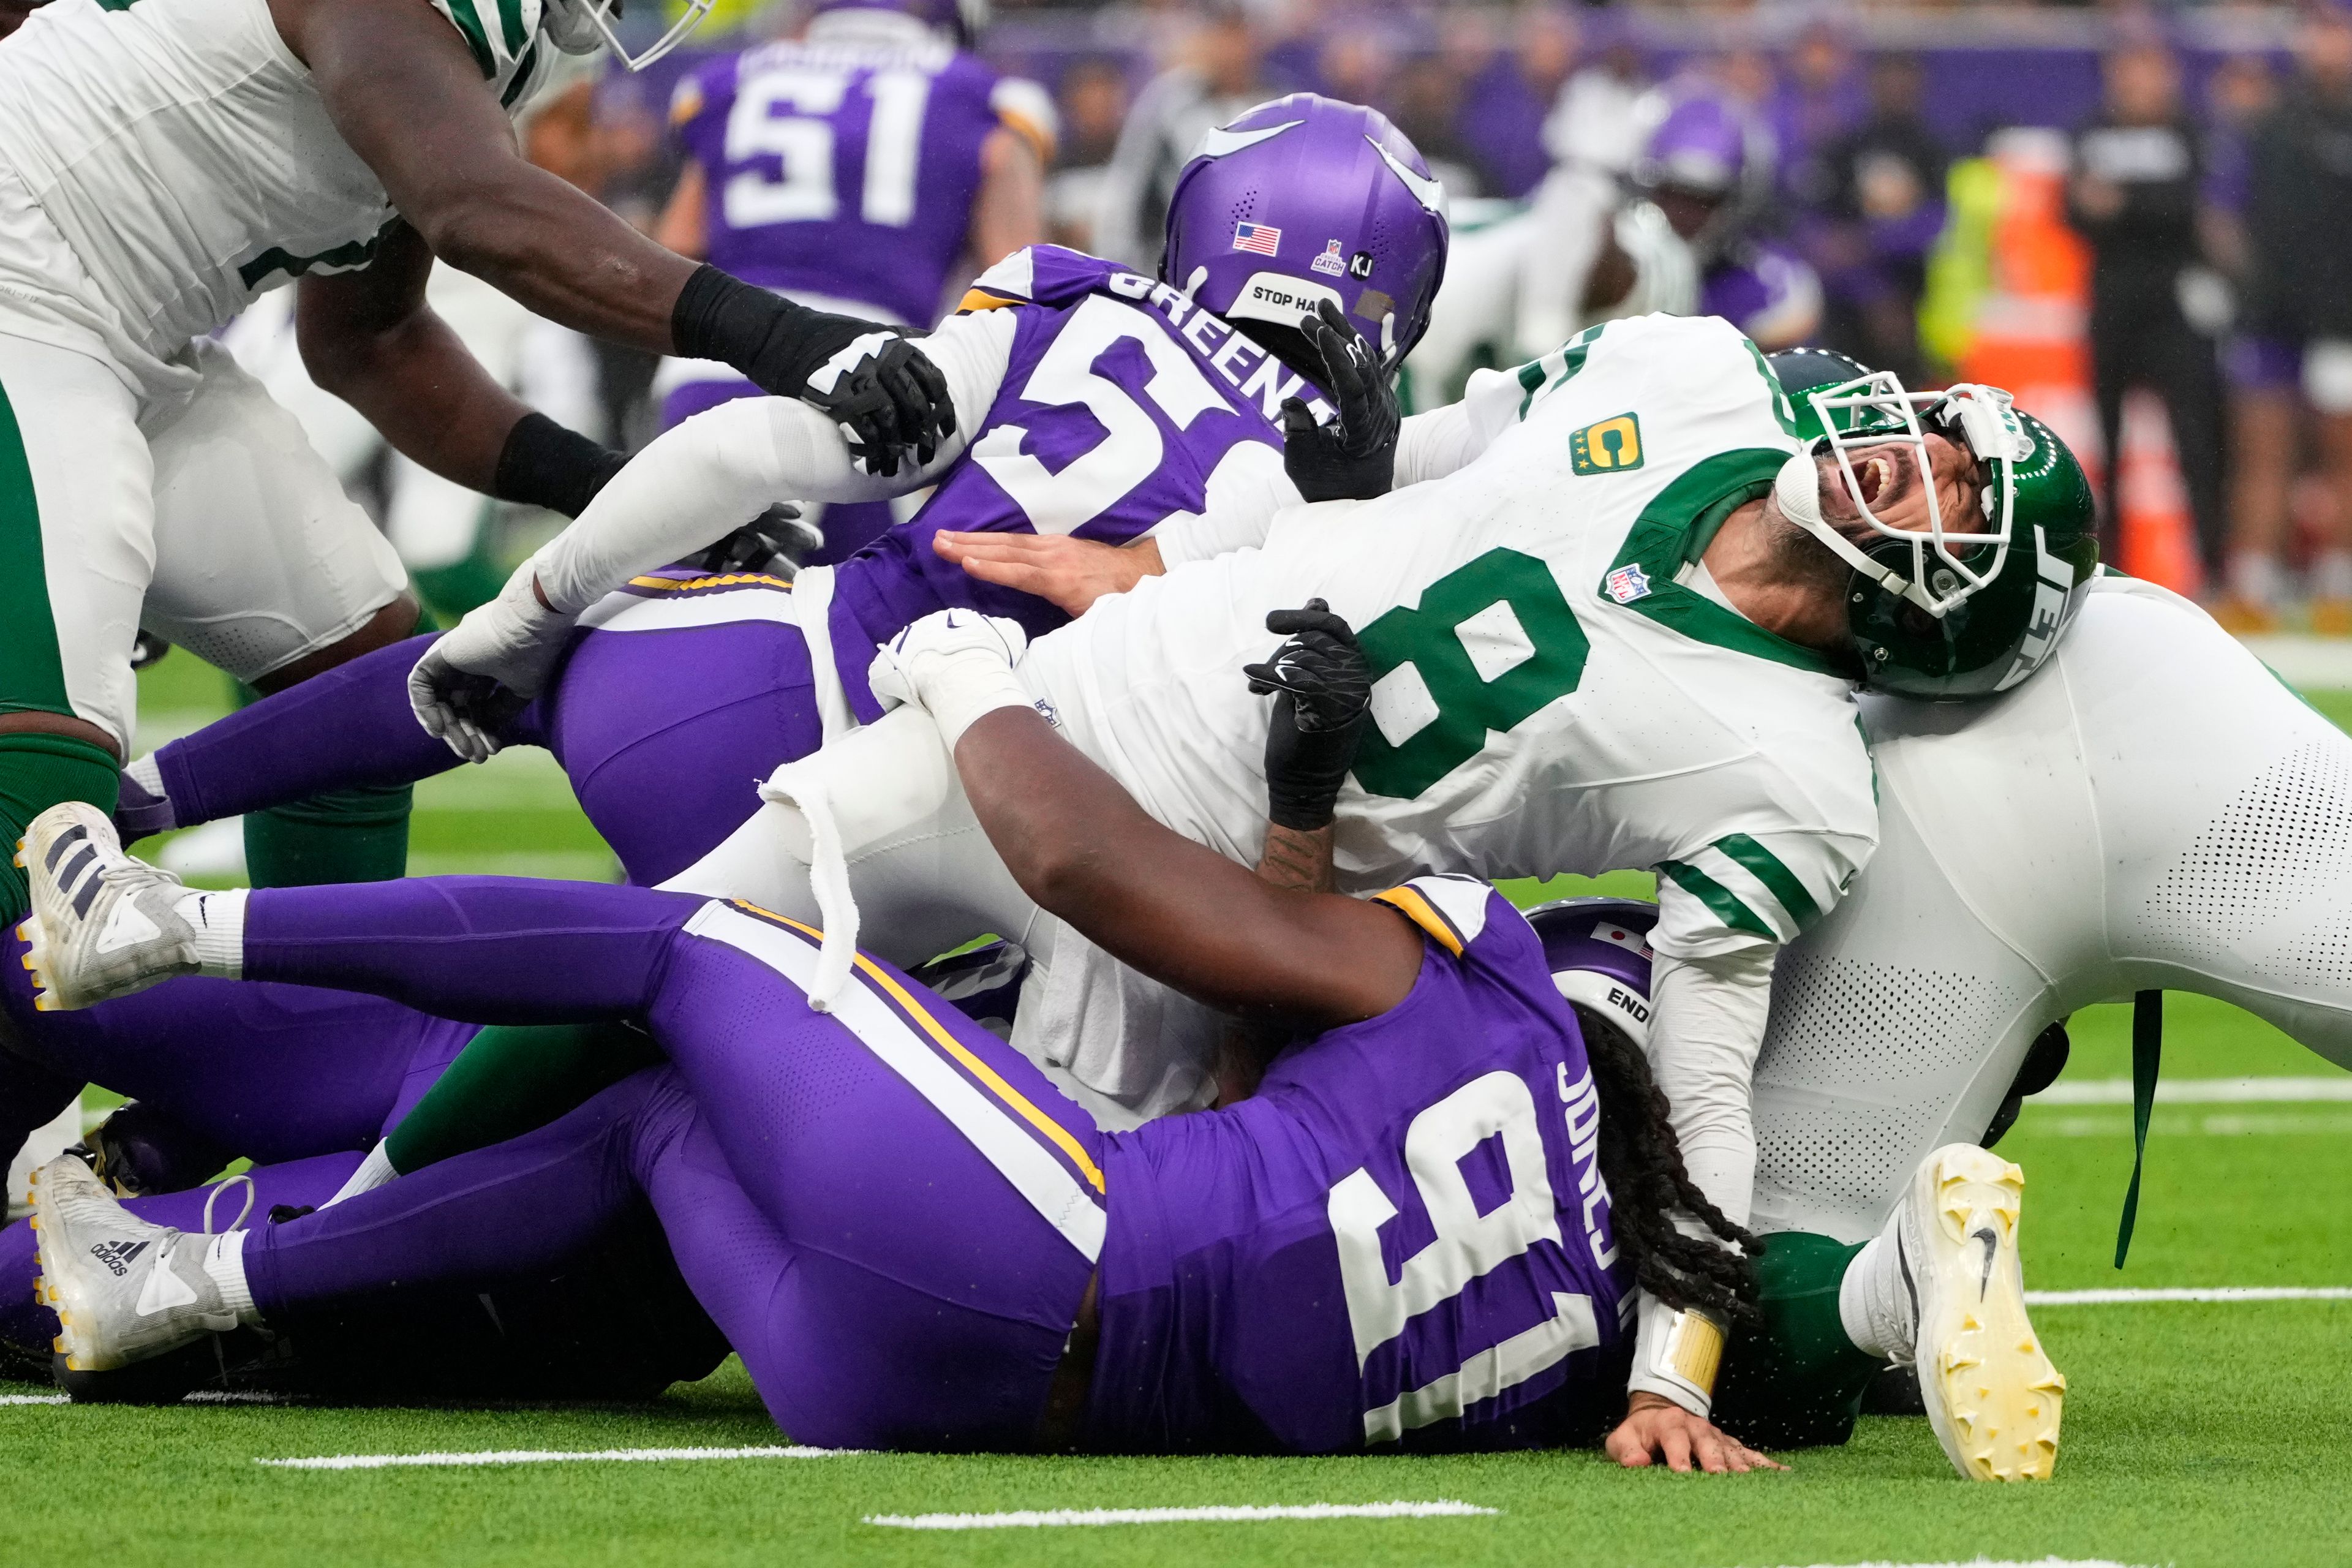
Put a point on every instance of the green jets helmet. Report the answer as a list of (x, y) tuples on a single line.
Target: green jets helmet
[(1967, 607)]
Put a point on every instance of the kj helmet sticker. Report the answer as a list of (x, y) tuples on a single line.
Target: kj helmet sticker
[(1360, 265), (1329, 263)]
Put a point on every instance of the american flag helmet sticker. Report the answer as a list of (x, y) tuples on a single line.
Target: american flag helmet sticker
[(1260, 238)]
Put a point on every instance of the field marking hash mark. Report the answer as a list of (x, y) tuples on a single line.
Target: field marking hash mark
[(1035, 1518)]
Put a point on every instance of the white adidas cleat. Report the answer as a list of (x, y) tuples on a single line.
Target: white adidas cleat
[(124, 1290), (104, 924), (1992, 1395)]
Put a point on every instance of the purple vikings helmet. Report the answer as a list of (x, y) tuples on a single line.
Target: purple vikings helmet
[(961, 20), (1599, 954), (1708, 164), (1306, 199)]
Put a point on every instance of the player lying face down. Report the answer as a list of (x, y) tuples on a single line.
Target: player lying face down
[(910, 1236)]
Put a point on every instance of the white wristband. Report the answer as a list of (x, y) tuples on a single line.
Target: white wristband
[(1677, 1355)]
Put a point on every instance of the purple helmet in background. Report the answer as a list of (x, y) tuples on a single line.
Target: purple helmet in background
[(963, 20), (1598, 952), (1708, 162), (1304, 199)]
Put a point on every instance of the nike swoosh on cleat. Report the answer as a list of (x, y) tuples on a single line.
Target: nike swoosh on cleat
[(1992, 1239)]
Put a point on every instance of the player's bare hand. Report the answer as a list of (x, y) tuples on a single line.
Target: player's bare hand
[(1068, 574), (1657, 1430)]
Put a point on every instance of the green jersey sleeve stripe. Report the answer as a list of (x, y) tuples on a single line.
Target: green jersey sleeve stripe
[(510, 24), (1558, 368), (469, 23), (1770, 869), (1716, 897)]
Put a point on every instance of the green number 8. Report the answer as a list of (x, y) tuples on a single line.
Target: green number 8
[(1469, 705)]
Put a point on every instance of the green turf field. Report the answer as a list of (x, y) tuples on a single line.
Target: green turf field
[(2197, 1433)]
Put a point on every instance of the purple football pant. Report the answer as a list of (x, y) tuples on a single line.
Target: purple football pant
[(27, 1322), (847, 526), (664, 734), (273, 1072), (858, 1199)]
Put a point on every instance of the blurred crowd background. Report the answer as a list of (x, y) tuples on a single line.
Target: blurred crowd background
[(2140, 219)]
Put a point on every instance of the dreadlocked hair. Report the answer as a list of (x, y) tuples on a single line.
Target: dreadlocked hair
[(1642, 1161)]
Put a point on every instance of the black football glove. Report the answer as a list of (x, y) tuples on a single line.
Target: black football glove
[(884, 392), (776, 542), (1322, 694), (1354, 457)]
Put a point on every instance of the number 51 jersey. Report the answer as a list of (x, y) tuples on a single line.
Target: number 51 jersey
[(1404, 1231), (1558, 687)]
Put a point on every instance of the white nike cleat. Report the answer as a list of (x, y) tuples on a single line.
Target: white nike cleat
[(104, 924), (1992, 1395), (124, 1290)]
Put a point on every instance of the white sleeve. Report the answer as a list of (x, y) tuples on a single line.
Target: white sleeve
[(1432, 445), (698, 481), (1247, 488), (1707, 1029)]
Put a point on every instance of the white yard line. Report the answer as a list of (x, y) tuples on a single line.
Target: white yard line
[(2121, 1298), (33, 1399), (1038, 1519), (2198, 1090), (546, 1457), (2218, 1124), (1992, 1562)]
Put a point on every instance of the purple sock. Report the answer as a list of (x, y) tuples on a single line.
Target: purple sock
[(486, 950), (348, 727), (492, 1213)]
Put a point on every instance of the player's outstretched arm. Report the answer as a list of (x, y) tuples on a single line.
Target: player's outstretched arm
[(1079, 845), (370, 337), (405, 94)]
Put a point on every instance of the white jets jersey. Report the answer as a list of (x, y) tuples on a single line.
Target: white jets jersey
[(1553, 691), (2153, 810), (187, 161)]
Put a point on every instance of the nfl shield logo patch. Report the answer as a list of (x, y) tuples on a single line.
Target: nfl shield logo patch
[(1628, 584), (1329, 263)]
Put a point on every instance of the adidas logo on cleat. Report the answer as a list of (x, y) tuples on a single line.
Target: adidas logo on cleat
[(118, 1255)]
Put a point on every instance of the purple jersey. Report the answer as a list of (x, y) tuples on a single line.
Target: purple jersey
[(842, 167), (1404, 1229), (1120, 403)]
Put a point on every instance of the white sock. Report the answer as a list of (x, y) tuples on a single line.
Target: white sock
[(1874, 1306), (2331, 576), (225, 1267), (2256, 578), (373, 1171), (149, 775), (219, 922)]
